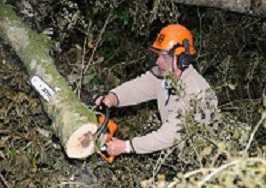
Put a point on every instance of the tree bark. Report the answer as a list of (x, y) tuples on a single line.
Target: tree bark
[(253, 7), (71, 118)]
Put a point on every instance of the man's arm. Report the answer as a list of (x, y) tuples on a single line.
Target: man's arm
[(163, 138), (135, 91)]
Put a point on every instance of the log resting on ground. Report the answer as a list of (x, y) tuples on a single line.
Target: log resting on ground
[(71, 119), (253, 7)]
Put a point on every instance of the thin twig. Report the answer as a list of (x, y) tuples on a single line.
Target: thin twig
[(196, 151), (232, 102), (221, 168), (204, 69), (82, 66), (263, 116), (250, 75), (4, 181), (216, 171), (227, 61), (201, 170), (107, 21), (161, 160), (190, 138), (75, 183), (155, 8), (200, 34), (4, 131)]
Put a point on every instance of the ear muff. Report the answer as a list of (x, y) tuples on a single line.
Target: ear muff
[(185, 59)]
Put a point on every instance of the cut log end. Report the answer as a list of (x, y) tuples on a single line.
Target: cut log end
[(81, 143)]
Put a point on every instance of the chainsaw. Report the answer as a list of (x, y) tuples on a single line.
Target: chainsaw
[(104, 134)]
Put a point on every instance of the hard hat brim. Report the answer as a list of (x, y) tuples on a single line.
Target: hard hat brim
[(157, 51)]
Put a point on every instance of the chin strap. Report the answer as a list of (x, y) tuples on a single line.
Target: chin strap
[(156, 72), (174, 63)]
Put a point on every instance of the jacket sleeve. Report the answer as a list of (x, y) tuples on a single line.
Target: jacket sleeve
[(166, 136), (140, 89)]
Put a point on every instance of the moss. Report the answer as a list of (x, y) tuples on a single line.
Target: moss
[(7, 11)]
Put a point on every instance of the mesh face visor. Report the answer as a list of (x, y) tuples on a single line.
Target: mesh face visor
[(153, 55), (154, 69)]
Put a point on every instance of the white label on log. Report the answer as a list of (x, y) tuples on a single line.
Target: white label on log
[(42, 88)]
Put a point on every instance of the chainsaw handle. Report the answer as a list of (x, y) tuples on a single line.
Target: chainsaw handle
[(107, 115), (103, 121), (101, 105)]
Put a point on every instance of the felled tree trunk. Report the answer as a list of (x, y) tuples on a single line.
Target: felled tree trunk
[(253, 7), (71, 119)]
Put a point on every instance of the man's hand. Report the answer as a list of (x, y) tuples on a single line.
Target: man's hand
[(116, 147), (109, 100)]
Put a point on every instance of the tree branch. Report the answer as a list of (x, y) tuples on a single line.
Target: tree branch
[(253, 7), (71, 119)]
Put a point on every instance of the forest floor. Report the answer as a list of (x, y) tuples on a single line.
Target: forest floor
[(231, 57)]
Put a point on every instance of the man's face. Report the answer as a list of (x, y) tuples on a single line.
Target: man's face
[(164, 62)]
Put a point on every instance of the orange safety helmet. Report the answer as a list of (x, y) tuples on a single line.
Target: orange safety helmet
[(174, 35)]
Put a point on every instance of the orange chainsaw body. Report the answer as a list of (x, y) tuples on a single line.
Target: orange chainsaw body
[(110, 131)]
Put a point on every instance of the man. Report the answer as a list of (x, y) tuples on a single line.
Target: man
[(174, 48)]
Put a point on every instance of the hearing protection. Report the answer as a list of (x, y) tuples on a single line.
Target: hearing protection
[(184, 59)]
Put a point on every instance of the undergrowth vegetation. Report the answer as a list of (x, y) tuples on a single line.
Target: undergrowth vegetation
[(98, 45)]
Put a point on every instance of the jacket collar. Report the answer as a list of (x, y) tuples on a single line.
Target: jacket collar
[(187, 73)]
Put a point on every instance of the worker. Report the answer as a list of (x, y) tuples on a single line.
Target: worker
[(175, 50)]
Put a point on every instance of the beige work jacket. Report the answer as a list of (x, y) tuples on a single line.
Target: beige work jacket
[(148, 87)]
